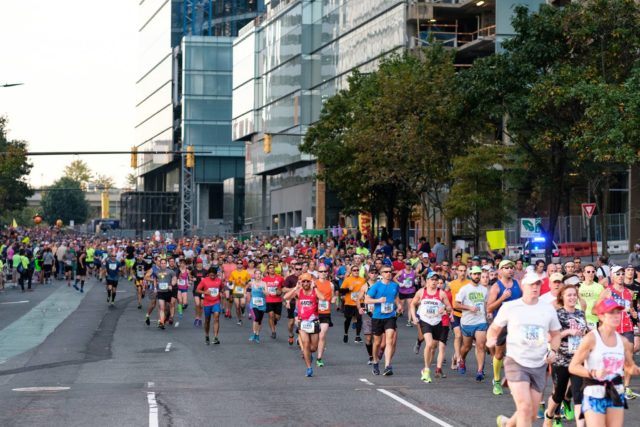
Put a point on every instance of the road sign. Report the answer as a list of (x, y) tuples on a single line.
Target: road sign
[(530, 227), (588, 209)]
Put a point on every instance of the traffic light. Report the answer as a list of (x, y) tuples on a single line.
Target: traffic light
[(267, 143), (191, 157), (134, 157)]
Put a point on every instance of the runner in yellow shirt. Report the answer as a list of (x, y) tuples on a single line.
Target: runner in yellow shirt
[(239, 279)]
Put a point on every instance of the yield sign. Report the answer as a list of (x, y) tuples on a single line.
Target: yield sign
[(588, 209)]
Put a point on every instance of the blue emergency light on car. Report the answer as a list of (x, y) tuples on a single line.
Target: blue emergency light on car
[(539, 239)]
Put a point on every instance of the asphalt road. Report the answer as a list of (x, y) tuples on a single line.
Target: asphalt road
[(112, 370)]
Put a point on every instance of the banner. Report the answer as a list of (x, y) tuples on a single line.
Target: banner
[(497, 239), (364, 224)]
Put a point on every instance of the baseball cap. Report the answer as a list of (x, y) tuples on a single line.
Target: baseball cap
[(486, 267), (305, 276), (615, 269), (556, 277), (530, 278), (571, 279), (606, 306), (629, 266), (475, 258), (425, 255), (475, 269), (433, 275), (505, 263)]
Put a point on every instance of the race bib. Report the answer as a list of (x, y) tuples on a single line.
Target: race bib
[(480, 307), (163, 286), (406, 283), (214, 292), (67, 262), (238, 290), (386, 307), (272, 290), (182, 282), (112, 266), (354, 296), (257, 301), (370, 308), (307, 326), (323, 305), (532, 335), (573, 343)]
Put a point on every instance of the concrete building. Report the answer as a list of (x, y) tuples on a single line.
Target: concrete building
[(184, 100)]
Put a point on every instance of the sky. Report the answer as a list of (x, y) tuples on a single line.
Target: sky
[(77, 60)]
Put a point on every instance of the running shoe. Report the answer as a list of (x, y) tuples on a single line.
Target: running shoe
[(81, 291), (273, 335), (440, 373), (426, 375), (195, 323), (309, 372), (207, 341), (409, 324), (320, 363), (497, 388), (462, 369), (376, 369), (160, 325), (216, 340), (388, 371), (629, 394), (370, 362), (170, 320), (252, 337), (75, 286), (112, 304), (257, 340), (239, 323), (541, 409), (569, 412), (358, 340), (146, 320), (179, 309), (199, 322), (290, 340), (416, 347), (479, 376), (557, 422), (501, 420), (345, 339), (139, 306)]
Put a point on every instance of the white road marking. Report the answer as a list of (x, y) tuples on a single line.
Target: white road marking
[(168, 347), (14, 302), (35, 389), (175, 325), (150, 384), (366, 381), (153, 409), (415, 408)]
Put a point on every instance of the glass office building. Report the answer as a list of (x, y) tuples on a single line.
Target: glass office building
[(184, 98)]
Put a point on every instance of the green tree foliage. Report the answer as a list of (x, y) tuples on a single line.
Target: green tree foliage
[(65, 200), (131, 180), (387, 143), (567, 88), (480, 194), (14, 169), (78, 170), (104, 182)]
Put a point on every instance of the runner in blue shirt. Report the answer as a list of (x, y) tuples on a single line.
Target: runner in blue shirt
[(112, 268)]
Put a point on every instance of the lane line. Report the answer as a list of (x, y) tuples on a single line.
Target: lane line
[(168, 347), (175, 325), (415, 408), (150, 384), (14, 302), (366, 381), (153, 409), (36, 389)]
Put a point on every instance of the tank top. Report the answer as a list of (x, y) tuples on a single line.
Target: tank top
[(183, 280), (611, 359), (257, 296), (516, 293), (406, 282), (625, 299), (429, 308), (307, 306)]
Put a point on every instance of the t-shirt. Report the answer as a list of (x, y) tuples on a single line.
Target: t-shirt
[(165, 279), (569, 344), (113, 269), (326, 289), (527, 329), (455, 286), (590, 293), (387, 309), (211, 289), (239, 280), (473, 295), (273, 284), (353, 284), (548, 298)]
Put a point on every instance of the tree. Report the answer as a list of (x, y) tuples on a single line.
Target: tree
[(79, 171), (480, 194), (132, 180), (14, 168), (563, 88), (104, 182), (65, 200)]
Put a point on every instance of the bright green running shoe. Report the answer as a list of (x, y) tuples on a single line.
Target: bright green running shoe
[(629, 394), (319, 363), (179, 308), (557, 422), (497, 388), (569, 413), (426, 375)]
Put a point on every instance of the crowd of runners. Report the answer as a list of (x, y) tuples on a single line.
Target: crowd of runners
[(572, 325)]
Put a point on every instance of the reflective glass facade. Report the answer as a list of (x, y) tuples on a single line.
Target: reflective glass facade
[(284, 68)]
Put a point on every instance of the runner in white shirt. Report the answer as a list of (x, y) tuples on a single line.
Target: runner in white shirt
[(528, 321)]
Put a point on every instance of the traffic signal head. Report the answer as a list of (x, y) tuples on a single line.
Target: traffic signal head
[(191, 157), (267, 143), (134, 157)]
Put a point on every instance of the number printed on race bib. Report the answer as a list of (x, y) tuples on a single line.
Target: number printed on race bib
[(386, 307), (112, 266), (323, 305), (573, 343), (214, 292), (532, 335), (163, 286), (307, 326), (257, 301)]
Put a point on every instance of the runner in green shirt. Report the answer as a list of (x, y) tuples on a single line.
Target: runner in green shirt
[(590, 291)]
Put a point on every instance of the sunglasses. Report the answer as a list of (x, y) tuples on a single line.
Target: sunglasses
[(386, 271), (305, 281), (322, 271), (590, 272)]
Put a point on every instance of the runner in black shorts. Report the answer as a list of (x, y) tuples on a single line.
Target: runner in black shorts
[(290, 283)]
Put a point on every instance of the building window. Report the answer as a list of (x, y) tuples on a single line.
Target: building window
[(216, 205)]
